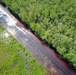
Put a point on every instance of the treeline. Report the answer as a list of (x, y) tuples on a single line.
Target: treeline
[(53, 20)]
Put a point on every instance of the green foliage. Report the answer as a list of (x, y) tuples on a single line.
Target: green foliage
[(53, 20), (15, 59)]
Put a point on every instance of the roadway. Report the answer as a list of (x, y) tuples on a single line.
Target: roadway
[(34, 45)]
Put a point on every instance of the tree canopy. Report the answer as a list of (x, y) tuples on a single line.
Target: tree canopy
[(53, 20)]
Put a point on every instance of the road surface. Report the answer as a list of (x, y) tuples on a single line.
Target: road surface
[(48, 58)]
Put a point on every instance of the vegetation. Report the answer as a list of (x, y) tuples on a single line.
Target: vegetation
[(15, 59), (53, 20)]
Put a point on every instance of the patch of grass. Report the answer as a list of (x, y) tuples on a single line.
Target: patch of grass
[(15, 59)]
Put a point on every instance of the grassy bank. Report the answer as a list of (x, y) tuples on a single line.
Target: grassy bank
[(15, 59)]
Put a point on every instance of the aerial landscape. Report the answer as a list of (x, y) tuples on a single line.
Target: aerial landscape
[(53, 22)]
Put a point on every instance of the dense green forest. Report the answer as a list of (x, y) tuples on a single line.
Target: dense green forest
[(15, 59), (53, 20)]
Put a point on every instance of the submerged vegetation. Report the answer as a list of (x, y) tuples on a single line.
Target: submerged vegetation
[(53, 20), (15, 59)]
